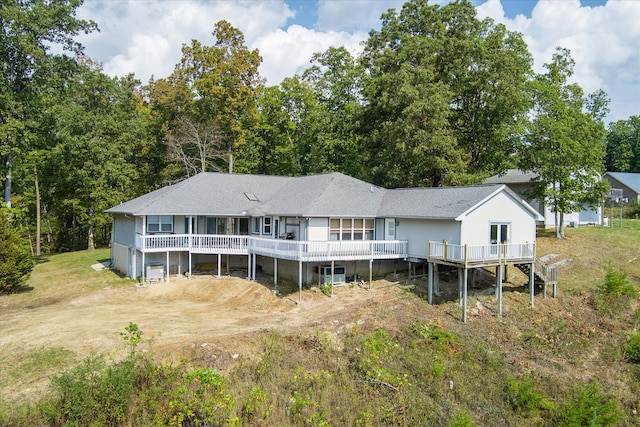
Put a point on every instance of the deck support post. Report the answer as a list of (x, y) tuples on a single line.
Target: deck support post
[(253, 267), (142, 267), (275, 272), (460, 286), (219, 264), (554, 290), (464, 296), (248, 266), (436, 279), (430, 281), (300, 281), (370, 273), (228, 262), (167, 276), (333, 265), (189, 264), (499, 289), (532, 282)]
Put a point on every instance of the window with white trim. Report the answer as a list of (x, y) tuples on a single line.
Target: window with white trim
[(255, 228), (266, 225), (159, 223), (351, 229)]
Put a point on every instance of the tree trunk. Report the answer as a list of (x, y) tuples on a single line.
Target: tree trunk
[(7, 181), (90, 231), (37, 191)]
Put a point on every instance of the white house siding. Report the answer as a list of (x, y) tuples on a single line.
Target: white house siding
[(500, 208), (120, 257), (124, 230), (419, 231), (318, 229)]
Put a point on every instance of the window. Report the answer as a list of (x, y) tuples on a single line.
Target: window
[(266, 225), (216, 225), (351, 229), (255, 228), (194, 225), (499, 233), (241, 226), (159, 224)]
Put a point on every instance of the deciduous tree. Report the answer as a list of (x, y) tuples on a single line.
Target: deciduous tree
[(623, 146), (565, 141)]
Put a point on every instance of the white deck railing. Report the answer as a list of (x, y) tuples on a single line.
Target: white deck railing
[(306, 251), (478, 254)]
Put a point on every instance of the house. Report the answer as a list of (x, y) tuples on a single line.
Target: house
[(317, 229), (521, 182), (629, 183)]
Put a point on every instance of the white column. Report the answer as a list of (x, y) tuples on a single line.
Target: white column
[(464, 296), (275, 271), (430, 294), (499, 289), (167, 278), (219, 260)]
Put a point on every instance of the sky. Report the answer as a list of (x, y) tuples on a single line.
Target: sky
[(144, 37)]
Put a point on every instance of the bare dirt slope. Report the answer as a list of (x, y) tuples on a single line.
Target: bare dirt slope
[(216, 314)]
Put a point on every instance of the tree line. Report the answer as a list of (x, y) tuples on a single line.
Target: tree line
[(438, 97)]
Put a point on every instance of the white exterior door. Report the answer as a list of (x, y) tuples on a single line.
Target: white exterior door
[(390, 229)]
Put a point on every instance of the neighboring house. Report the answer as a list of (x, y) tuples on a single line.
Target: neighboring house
[(629, 183), (521, 182), (315, 228)]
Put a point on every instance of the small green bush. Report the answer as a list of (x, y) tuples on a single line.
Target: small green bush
[(614, 294), (461, 419), (588, 407), (632, 348), (15, 261), (524, 398)]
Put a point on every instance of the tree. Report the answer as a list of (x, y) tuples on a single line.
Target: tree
[(217, 85), (29, 29), (99, 126), (15, 262), (337, 79), (623, 146), (445, 101), (565, 141)]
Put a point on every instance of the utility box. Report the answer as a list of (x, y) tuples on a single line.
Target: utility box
[(339, 274), (154, 272)]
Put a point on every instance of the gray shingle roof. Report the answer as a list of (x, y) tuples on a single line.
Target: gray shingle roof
[(631, 180), (333, 194), (511, 176)]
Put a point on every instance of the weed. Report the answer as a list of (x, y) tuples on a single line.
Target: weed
[(615, 294), (327, 289), (461, 419), (132, 335)]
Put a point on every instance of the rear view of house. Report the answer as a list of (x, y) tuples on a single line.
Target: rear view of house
[(316, 229)]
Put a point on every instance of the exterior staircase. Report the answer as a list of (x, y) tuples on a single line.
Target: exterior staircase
[(544, 274)]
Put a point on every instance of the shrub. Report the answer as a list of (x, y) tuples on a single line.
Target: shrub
[(614, 294), (524, 398), (632, 348), (15, 262), (93, 393), (587, 407)]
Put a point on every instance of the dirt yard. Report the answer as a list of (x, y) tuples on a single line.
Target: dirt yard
[(203, 314)]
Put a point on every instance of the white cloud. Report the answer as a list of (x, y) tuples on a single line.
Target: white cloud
[(604, 42), (353, 15), (286, 53)]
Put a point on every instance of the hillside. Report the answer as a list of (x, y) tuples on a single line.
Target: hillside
[(362, 357)]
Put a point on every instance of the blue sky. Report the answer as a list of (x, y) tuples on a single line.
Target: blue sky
[(145, 37)]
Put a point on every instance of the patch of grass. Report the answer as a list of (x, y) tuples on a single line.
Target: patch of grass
[(592, 250), (42, 360)]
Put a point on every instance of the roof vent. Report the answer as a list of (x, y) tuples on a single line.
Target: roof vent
[(251, 197)]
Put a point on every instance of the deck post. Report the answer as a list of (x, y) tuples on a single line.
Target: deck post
[(189, 263), (253, 266), (370, 273), (532, 282), (300, 281), (460, 285), (464, 296), (167, 277), (275, 271), (333, 264), (249, 266), (219, 264), (430, 281), (142, 267), (436, 278), (499, 288)]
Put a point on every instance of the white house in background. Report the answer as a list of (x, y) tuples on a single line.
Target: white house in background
[(521, 182), (317, 228)]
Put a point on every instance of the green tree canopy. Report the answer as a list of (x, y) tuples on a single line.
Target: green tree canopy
[(623, 146), (446, 100), (565, 141), (29, 29), (15, 262)]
